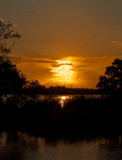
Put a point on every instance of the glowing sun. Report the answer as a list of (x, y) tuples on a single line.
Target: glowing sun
[(62, 71)]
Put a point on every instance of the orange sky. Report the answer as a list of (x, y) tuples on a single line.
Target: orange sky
[(66, 42), (70, 71)]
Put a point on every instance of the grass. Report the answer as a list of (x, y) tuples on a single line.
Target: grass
[(79, 116)]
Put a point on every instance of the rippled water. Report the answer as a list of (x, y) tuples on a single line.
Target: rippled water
[(21, 146)]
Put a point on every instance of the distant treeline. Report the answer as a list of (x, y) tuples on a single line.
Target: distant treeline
[(58, 90)]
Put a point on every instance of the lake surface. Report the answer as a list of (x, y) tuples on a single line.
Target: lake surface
[(62, 99), (21, 146)]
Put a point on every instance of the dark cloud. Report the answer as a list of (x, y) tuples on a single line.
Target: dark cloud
[(31, 59), (56, 65), (60, 64)]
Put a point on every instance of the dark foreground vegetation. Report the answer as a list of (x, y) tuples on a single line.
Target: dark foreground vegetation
[(21, 109), (79, 117)]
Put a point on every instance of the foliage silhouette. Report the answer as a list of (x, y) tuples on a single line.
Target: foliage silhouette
[(111, 82), (11, 80), (7, 37), (34, 88)]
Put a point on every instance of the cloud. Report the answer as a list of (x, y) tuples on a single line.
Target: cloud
[(17, 60), (53, 62), (56, 65), (117, 43), (61, 64)]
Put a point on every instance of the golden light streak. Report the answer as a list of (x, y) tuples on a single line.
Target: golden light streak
[(62, 100), (63, 97), (63, 71)]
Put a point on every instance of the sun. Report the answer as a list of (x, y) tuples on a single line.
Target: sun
[(63, 71)]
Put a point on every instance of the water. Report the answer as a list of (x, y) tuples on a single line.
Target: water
[(21, 146), (62, 99)]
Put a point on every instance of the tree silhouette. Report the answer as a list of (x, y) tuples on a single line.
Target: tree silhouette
[(34, 88), (11, 80), (7, 37), (111, 82)]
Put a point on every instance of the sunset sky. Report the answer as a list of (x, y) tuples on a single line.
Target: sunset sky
[(65, 42)]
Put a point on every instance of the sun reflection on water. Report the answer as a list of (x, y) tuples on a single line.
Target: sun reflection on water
[(63, 97), (63, 100)]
